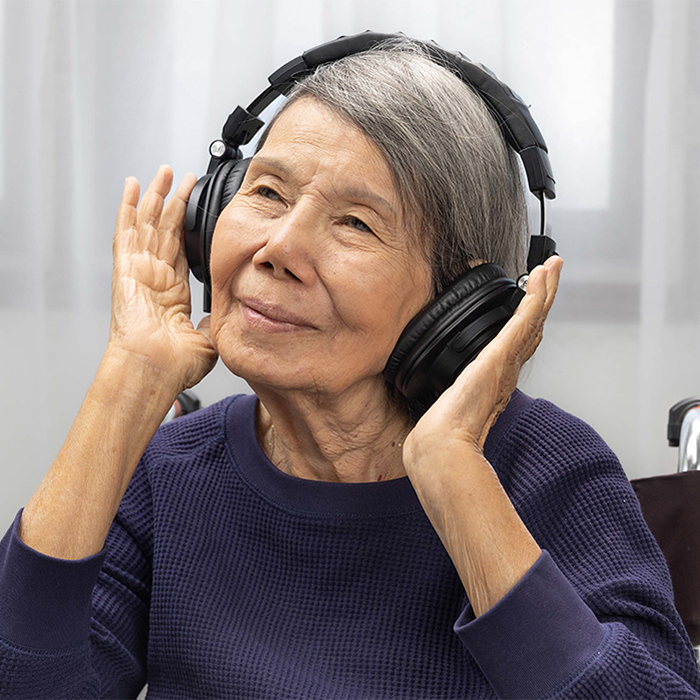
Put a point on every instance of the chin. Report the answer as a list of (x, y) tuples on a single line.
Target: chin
[(261, 366)]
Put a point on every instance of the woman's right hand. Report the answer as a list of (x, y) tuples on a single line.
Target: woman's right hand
[(150, 284), (154, 352)]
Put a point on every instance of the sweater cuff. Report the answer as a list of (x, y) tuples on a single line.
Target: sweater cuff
[(45, 602), (535, 637)]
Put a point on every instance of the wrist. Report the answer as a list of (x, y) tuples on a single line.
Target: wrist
[(124, 375), (440, 457), (472, 514)]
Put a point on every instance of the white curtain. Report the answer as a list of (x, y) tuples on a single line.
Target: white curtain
[(93, 91)]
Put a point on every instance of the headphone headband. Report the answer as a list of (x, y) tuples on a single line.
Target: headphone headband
[(511, 113)]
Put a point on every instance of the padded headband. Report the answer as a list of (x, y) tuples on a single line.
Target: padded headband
[(511, 113)]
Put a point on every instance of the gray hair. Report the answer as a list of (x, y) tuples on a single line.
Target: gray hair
[(458, 180)]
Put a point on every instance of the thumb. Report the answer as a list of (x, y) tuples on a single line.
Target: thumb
[(204, 327)]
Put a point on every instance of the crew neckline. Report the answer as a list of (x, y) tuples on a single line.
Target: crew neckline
[(324, 498)]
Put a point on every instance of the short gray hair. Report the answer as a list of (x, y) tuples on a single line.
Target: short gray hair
[(456, 177)]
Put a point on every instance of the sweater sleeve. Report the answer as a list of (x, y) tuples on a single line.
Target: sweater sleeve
[(594, 616), (79, 628)]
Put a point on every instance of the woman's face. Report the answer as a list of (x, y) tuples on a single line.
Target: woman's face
[(314, 234)]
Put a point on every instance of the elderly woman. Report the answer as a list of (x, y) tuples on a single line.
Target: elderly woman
[(314, 540)]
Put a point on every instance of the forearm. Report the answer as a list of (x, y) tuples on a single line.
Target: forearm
[(70, 513), (487, 541)]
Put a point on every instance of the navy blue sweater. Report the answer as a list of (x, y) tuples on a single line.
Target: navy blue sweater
[(223, 577)]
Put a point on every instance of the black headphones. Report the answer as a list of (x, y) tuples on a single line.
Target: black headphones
[(457, 324)]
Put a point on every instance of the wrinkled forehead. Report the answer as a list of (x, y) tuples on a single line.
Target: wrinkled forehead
[(310, 128)]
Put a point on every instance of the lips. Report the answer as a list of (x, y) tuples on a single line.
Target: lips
[(275, 312)]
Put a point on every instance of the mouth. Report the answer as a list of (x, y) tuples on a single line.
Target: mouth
[(270, 317)]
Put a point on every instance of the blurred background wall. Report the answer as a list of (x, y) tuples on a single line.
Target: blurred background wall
[(93, 91)]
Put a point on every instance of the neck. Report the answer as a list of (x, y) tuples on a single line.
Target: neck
[(356, 438)]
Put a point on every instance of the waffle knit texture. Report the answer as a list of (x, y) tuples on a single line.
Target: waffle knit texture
[(224, 577)]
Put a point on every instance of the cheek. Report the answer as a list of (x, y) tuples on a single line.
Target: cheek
[(377, 303), (228, 248)]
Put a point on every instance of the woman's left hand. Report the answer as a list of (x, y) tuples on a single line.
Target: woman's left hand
[(468, 409), (462, 496)]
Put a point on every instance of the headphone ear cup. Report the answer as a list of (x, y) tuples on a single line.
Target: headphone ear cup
[(225, 183), (450, 332)]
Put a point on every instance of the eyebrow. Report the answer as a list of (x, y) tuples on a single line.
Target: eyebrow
[(358, 194)]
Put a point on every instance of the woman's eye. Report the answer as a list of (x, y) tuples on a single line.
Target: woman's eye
[(358, 224), (267, 192)]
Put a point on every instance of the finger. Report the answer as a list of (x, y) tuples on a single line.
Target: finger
[(499, 363), (554, 266), (519, 337), (151, 206), (182, 266), (174, 212), (537, 311), (204, 326), (170, 230), (550, 273), (126, 214), (536, 294), (522, 329)]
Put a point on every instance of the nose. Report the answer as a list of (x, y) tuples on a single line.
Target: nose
[(291, 243)]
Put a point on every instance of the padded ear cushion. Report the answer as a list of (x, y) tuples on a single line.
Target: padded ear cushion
[(225, 183), (233, 181), (439, 313)]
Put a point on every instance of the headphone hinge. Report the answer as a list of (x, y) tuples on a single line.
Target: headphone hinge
[(541, 248), (240, 127)]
